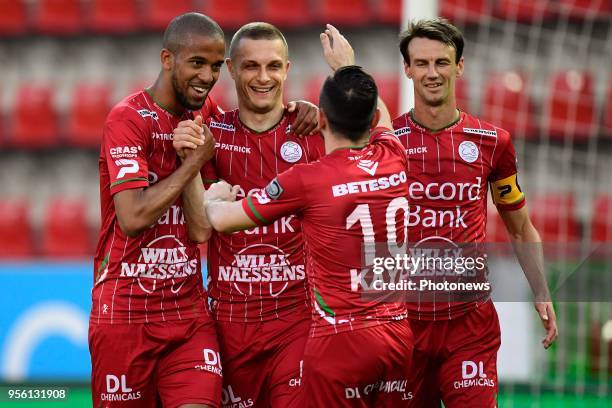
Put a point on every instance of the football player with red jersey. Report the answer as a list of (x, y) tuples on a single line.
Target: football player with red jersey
[(452, 158), (356, 353), (257, 278), (152, 339)]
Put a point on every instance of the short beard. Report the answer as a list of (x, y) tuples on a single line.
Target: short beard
[(181, 97)]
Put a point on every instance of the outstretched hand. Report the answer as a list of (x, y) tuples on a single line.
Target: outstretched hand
[(336, 48)]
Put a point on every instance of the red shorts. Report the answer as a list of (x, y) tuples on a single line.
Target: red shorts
[(143, 365), (262, 362), (455, 361), (364, 368)]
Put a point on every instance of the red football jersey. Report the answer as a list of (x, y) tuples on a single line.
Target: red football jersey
[(348, 199), (258, 274), (156, 275), (448, 173)]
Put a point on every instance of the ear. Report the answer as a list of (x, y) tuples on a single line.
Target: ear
[(230, 67), (375, 119), (323, 123), (460, 67), (287, 68), (167, 59), (407, 70)]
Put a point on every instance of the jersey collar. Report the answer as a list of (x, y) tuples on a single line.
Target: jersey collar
[(450, 125)]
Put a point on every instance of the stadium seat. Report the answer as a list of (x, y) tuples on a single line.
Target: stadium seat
[(580, 9), (571, 105), (114, 16), (601, 223), (464, 11), (507, 103), (554, 216), (282, 13), (343, 12), (34, 120), (525, 11), (388, 11), (58, 17), (13, 17), (15, 230), (65, 229), (229, 13), (158, 13), (388, 88), (607, 117), (90, 105)]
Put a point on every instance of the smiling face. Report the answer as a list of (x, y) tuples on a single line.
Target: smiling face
[(433, 71), (259, 69), (195, 68)]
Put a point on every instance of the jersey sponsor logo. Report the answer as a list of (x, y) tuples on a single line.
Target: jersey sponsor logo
[(259, 265), (468, 151), (473, 375), (446, 191), (173, 216), (291, 151), (233, 148), (223, 126), (416, 150), (365, 186), (162, 136), (402, 131), (161, 259), (147, 113), (124, 152), (117, 389), (126, 166), (484, 132), (296, 382), (382, 386), (229, 399), (368, 166), (274, 189), (212, 362)]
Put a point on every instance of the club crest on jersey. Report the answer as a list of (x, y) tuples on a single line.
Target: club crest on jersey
[(468, 151), (368, 166), (147, 113), (274, 189), (291, 152)]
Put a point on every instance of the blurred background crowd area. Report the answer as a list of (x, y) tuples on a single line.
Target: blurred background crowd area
[(539, 68)]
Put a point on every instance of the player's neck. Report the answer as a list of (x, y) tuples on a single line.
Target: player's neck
[(334, 142), (260, 122), (164, 97), (435, 118)]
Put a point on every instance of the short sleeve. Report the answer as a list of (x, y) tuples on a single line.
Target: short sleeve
[(505, 189), (125, 149), (282, 196)]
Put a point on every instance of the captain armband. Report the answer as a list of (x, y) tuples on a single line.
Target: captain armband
[(507, 192)]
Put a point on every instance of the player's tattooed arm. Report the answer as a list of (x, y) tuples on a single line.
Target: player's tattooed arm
[(224, 212), (137, 209), (528, 248)]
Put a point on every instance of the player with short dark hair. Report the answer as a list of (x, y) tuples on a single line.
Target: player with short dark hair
[(358, 348), (453, 157), (151, 337)]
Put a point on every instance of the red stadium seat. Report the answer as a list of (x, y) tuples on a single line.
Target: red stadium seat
[(13, 17), (58, 17), (601, 223), (554, 217), (388, 88), (343, 12), (525, 11), (571, 105), (607, 118), (389, 11), (15, 230), (114, 16), (282, 13), (90, 105), (65, 230), (158, 13), (229, 13), (464, 11), (580, 9), (34, 121), (507, 103)]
